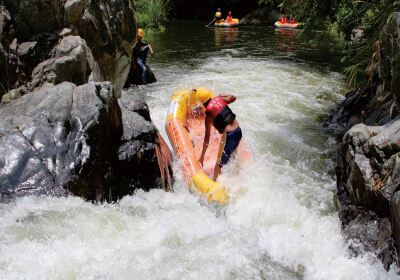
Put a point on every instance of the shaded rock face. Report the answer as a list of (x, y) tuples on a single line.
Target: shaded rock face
[(27, 37), (261, 16), (109, 29), (144, 159), (65, 138), (368, 153), (68, 62)]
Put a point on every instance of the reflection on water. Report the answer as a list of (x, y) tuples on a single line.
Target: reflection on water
[(287, 38), (225, 36)]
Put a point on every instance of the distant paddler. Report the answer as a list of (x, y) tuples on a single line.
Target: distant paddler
[(217, 16)]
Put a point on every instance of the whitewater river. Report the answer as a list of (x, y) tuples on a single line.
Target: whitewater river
[(280, 223)]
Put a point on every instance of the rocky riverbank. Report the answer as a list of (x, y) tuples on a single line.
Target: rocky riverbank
[(368, 153), (66, 124)]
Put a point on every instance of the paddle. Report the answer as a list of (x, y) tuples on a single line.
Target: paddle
[(211, 22)]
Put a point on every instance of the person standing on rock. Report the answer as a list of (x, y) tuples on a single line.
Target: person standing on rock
[(140, 52), (224, 120)]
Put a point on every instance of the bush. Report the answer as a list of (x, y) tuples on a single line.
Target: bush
[(151, 13)]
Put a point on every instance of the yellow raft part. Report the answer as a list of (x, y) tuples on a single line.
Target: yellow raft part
[(187, 113), (222, 23)]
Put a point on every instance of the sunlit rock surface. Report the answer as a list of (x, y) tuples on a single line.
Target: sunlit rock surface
[(62, 129), (67, 138)]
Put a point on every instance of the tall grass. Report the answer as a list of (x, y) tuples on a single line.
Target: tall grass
[(151, 13)]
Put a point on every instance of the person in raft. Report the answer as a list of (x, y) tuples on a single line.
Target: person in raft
[(224, 120), (140, 51), (218, 14), (229, 17)]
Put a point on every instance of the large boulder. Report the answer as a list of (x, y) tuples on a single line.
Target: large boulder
[(68, 138), (109, 29), (143, 152), (54, 140), (27, 38), (368, 181)]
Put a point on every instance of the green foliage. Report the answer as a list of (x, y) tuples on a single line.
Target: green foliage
[(151, 13), (344, 16)]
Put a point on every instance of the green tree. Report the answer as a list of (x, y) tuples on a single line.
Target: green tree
[(151, 13)]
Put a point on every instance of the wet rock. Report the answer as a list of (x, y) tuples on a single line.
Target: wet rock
[(261, 16), (58, 133), (55, 138), (68, 138), (69, 62), (143, 152), (369, 233), (368, 181)]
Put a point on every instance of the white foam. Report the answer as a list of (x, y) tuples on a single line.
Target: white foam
[(280, 223)]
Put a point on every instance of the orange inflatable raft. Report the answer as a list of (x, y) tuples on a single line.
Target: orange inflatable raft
[(287, 25), (185, 129), (222, 23)]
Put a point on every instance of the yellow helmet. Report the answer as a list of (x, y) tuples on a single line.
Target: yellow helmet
[(202, 94), (140, 32)]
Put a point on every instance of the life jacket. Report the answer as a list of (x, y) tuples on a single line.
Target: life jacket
[(222, 115)]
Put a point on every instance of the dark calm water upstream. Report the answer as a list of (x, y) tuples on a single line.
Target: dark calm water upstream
[(280, 223)]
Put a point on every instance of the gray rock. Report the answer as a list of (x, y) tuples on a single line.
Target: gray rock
[(64, 138), (143, 151), (35, 16), (110, 36), (69, 62)]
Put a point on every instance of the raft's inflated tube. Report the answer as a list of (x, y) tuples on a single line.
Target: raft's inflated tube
[(222, 23), (183, 146), (286, 25)]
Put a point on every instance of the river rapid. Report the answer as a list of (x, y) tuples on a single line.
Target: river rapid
[(280, 223)]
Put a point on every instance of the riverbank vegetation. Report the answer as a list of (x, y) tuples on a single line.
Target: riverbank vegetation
[(151, 14), (359, 22)]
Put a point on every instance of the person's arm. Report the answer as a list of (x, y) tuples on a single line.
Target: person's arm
[(228, 98), (207, 124), (151, 50)]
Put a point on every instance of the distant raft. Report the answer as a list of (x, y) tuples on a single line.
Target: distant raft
[(185, 129), (222, 23), (279, 24)]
